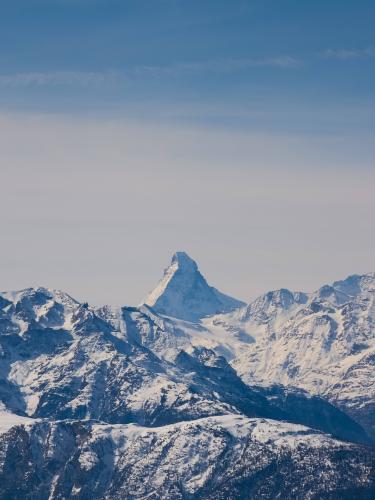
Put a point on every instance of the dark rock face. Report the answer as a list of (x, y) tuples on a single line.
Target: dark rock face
[(301, 408)]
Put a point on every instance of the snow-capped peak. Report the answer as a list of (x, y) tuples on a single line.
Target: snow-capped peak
[(183, 261), (184, 293), (343, 291)]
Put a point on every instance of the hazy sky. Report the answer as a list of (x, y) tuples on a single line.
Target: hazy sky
[(241, 132)]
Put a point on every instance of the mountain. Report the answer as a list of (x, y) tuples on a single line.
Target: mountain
[(65, 360), (184, 293), (220, 457), (254, 402), (323, 342)]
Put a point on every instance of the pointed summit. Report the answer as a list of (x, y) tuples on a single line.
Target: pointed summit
[(183, 292), (184, 262)]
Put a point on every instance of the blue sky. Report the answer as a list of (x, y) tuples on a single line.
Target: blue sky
[(261, 63), (239, 131)]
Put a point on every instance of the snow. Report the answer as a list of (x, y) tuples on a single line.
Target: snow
[(184, 293), (280, 435), (284, 434), (9, 420), (308, 344), (95, 366), (322, 342), (88, 459), (193, 459)]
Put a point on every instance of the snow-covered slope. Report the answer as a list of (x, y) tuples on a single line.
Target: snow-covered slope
[(222, 457), (323, 342), (61, 359), (93, 400), (184, 293)]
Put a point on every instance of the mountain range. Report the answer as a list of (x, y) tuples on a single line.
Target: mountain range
[(192, 394)]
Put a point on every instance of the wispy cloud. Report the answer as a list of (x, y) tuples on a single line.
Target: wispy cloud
[(88, 79), (228, 65), (346, 54), (57, 78)]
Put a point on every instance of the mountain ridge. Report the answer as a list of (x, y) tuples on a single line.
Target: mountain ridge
[(85, 391)]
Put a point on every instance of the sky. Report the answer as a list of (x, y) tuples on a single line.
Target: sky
[(241, 132)]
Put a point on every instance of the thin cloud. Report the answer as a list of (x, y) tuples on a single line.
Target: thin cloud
[(58, 78), (347, 54), (89, 79), (219, 66)]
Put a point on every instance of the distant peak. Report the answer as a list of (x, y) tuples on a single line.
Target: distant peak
[(183, 261), (184, 293)]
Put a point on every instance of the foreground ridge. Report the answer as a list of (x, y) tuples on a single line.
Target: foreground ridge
[(216, 457)]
